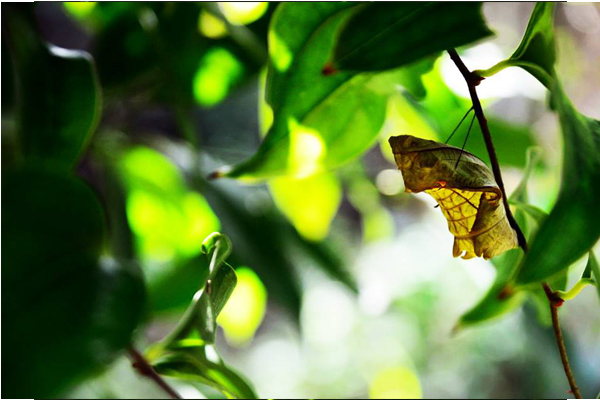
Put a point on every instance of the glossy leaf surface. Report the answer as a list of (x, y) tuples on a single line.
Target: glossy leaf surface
[(58, 96), (320, 122), (384, 35), (537, 51), (573, 224), (86, 308)]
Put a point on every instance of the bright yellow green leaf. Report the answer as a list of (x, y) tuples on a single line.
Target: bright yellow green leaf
[(396, 383), (245, 309), (309, 203), (243, 12), (218, 72), (79, 9), (211, 26)]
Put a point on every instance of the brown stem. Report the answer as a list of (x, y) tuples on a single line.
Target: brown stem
[(472, 81), (555, 302), (144, 368)]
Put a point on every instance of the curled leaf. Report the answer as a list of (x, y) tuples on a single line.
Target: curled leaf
[(465, 190)]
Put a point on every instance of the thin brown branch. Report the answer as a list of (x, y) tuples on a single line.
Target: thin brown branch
[(472, 81), (145, 369), (555, 302)]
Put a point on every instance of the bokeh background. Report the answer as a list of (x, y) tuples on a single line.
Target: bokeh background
[(353, 295)]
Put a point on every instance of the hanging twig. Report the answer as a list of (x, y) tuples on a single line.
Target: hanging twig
[(556, 302), (472, 81), (145, 369)]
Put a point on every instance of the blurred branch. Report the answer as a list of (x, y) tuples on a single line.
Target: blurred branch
[(144, 368), (473, 80)]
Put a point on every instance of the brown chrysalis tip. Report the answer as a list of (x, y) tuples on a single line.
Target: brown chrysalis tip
[(328, 70)]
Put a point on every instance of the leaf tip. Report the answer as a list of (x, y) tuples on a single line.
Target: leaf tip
[(458, 327), (328, 70)]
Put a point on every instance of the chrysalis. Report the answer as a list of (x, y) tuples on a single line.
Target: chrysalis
[(466, 193)]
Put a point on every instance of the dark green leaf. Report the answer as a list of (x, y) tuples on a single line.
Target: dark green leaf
[(534, 212), (51, 212), (221, 287), (573, 225), (59, 96), (557, 282), (173, 288), (320, 121), (8, 77), (123, 49), (382, 36), (592, 269), (538, 45), (200, 319), (409, 77), (537, 52), (65, 313)]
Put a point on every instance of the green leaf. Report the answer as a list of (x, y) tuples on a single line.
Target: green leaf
[(245, 309), (382, 36), (409, 77), (122, 48), (320, 122), (222, 285), (217, 247), (557, 282), (65, 313), (592, 269), (538, 44), (534, 212), (58, 96), (200, 319), (573, 225), (183, 353), (194, 364), (494, 304), (537, 52), (263, 241)]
